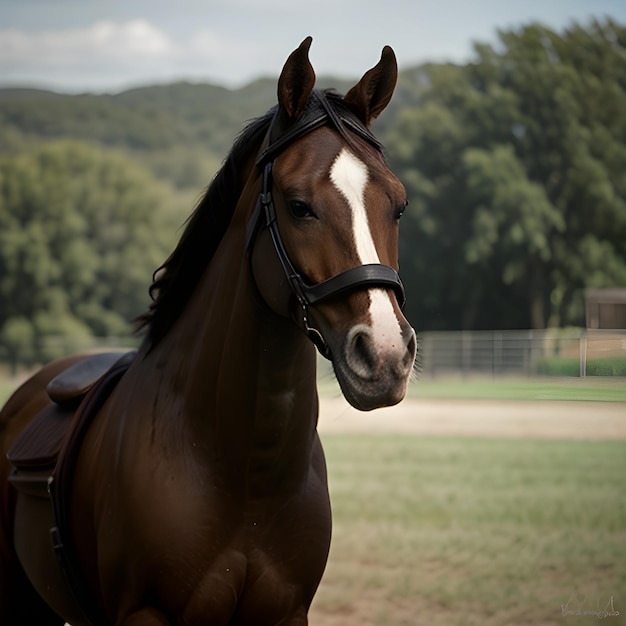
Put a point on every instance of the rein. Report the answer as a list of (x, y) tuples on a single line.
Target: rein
[(264, 216)]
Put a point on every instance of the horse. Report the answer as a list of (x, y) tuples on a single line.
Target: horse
[(189, 487)]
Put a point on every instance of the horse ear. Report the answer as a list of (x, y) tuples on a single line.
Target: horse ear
[(372, 93), (296, 82)]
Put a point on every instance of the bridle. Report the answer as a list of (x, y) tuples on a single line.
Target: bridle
[(320, 112)]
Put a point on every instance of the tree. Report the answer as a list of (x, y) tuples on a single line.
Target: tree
[(515, 166), (513, 220), (81, 231)]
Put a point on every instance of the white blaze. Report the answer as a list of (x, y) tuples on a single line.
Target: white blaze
[(349, 176)]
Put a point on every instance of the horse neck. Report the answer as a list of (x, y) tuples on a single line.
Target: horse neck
[(243, 377)]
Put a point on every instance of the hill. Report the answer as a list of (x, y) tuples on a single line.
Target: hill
[(159, 117)]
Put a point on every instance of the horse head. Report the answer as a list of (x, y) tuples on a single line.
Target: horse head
[(324, 235)]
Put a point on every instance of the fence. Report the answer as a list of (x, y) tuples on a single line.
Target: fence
[(521, 352), (574, 352)]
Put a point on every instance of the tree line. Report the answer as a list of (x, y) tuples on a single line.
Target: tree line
[(81, 231), (513, 165)]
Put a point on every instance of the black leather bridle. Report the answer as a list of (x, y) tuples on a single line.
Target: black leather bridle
[(320, 112)]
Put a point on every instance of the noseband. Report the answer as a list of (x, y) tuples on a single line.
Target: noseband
[(264, 216)]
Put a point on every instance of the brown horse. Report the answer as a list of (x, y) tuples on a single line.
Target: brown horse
[(199, 494)]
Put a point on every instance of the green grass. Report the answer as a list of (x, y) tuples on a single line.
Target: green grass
[(449, 531), (580, 389), (563, 366), (595, 389)]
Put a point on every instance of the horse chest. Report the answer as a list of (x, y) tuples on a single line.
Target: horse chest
[(246, 565), (265, 583), (238, 588)]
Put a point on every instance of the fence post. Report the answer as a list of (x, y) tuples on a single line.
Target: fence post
[(466, 350), (583, 354), (498, 361)]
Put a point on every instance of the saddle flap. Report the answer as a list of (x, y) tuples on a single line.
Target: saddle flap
[(39, 444), (33, 483), (79, 378)]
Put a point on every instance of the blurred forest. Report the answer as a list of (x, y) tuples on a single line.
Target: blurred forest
[(514, 166)]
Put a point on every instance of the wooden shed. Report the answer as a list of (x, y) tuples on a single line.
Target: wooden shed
[(606, 308)]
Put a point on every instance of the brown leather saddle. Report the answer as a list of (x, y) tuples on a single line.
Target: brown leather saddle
[(44, 455), (37, 448)]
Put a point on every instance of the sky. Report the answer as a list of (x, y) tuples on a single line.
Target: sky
[(111, 45)]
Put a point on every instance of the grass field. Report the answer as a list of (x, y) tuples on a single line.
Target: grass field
[(449, 531), (592, 388)]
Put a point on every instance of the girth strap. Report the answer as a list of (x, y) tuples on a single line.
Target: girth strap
[(59, 487)]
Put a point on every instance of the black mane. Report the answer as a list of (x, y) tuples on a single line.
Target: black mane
[(175, 280)]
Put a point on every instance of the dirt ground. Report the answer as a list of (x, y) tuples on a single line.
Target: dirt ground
[(481, 418)]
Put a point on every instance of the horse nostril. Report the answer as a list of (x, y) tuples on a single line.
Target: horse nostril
[(411, 345), (411, 351), (366, 360), (359, 351)]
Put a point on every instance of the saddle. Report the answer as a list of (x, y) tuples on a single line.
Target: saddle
[(35, 452), (45, 453)]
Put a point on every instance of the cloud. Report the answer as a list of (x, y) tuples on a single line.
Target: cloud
[(76, 45), (106, 54), (104, 40), (109, 56)]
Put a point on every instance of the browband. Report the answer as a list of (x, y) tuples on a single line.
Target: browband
[(318, 112)]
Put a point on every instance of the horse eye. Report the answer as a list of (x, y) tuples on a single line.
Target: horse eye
[(300, 209), (401, 209)]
